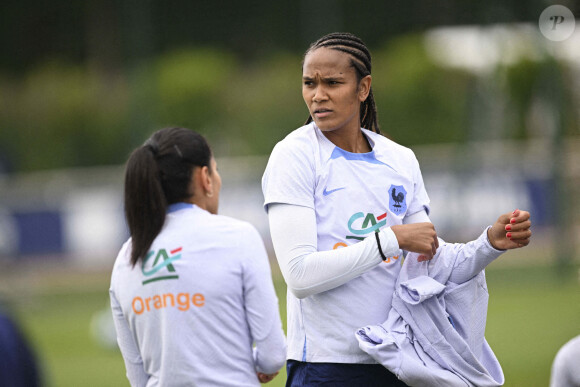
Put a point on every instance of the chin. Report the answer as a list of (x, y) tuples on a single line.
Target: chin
[(325, 127)]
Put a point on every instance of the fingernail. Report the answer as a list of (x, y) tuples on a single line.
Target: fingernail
[(512, 220), (508, 227), (513, 213), (509, 235)]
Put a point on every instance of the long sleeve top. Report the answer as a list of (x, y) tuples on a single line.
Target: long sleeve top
[(201, 308), (434, 334)]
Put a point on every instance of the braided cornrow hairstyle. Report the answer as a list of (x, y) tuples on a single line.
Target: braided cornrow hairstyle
[(361, 61)]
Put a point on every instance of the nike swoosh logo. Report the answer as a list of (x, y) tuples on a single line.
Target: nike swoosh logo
[(326, 193)]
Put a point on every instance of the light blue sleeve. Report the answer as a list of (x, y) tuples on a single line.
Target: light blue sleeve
[(460, 262), (131, 355), (457, 262), (261, 305), (472, 257)]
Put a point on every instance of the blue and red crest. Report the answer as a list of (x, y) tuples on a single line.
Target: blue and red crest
[(397, 199)]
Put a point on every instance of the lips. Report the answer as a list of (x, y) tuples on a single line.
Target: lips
[(322, 112)]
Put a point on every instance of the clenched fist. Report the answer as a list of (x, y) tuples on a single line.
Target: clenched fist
[(418, 238), (511, 230)]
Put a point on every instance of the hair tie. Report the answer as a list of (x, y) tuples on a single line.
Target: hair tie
[(152, 145), (379, 246)]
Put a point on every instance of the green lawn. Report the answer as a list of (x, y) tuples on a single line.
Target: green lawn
[(532, 313)]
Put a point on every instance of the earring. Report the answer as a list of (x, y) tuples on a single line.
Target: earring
[(209, 195)]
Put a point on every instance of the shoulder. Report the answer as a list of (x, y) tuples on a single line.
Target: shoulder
[(291, 170), (386, 145), (570, 350), (124, 254), (229, 236), (239, 230), (295, 155), (208, 226), (565, 363), (242, 237), (301, 140), (122, 262), (398, 157)]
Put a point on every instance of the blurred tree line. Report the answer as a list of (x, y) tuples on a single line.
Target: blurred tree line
[(82, 83), (116, 31)]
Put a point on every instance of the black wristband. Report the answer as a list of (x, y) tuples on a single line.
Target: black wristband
[(379, 246)]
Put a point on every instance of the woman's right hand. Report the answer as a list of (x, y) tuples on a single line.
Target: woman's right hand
[(265, 378), (418, 238)]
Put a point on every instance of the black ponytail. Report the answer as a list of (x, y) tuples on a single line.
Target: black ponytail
[(158, 174), (361, 61)]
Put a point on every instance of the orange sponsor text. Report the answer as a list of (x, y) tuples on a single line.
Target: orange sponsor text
[(181, 301)]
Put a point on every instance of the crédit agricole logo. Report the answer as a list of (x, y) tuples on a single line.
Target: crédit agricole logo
[(159, 269), (162, 267), (361, 225)]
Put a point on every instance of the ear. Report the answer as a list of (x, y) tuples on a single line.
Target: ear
[(364, 88), (205, 181)]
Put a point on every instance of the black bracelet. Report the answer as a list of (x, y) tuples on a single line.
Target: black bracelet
[(379, 245)]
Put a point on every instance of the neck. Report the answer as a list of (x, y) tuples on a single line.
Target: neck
[(352, 141), (200, 203)]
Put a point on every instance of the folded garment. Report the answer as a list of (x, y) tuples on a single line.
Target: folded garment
[(434, 333)]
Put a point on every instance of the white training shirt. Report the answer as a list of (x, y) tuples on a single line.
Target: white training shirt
[(353, 195), (190, 313)]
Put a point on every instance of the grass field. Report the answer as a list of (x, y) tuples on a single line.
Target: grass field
[(532, 313)]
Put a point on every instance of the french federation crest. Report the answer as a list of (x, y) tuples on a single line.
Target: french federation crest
[(397, 199)]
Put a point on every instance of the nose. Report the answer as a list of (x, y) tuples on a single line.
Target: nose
[(319, 94)]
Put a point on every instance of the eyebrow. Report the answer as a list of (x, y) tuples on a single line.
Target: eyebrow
[(325, 79)]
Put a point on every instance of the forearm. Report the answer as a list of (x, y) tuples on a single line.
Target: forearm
[(470, 258), (466, 259), (270, 352), (261, 305), (133, 361), (308, 271)]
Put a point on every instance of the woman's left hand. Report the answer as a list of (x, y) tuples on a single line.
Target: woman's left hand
[(511, 230)]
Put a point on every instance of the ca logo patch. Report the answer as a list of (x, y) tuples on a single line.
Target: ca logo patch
[(162, 267), (369, 224), (397, 199), (361, 226)]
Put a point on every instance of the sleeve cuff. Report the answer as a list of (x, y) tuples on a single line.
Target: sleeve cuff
[(389, 242), (485, 239)]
